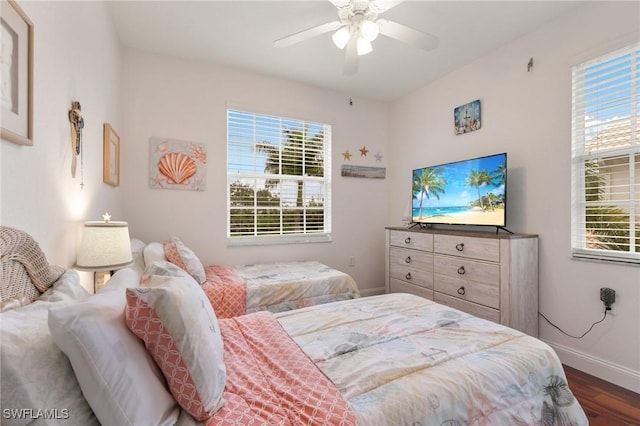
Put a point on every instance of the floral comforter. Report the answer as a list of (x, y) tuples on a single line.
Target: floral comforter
[(275, 287), (403, 360)]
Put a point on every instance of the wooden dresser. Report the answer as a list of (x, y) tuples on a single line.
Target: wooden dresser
[(489, 275)]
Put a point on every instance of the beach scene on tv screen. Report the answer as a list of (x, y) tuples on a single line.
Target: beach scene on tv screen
[(470, 192)]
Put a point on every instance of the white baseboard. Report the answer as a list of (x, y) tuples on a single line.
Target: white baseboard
[(605, 370), (372, 291)]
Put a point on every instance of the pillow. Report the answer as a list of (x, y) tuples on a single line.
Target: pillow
[(180, 330), (121, 280), (137, 253), (153, 252), (66, 288), (176, 252), (33, 365), (116, 374), (160, 269)]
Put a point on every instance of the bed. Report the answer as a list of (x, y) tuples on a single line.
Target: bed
[(240, 289), (393, 359)]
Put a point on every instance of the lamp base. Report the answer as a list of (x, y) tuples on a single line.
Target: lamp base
[(100, 278)]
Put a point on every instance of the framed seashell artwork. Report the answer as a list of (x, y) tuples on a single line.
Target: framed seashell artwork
[(176, 164)]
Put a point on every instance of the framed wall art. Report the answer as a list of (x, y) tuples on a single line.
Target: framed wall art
[(16, 116), (177, 164), (466, 118), (111, 156)]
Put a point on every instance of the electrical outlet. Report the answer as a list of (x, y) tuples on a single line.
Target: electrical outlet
[(608, 297)]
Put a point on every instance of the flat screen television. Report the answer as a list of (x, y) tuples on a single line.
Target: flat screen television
[(469, 192)]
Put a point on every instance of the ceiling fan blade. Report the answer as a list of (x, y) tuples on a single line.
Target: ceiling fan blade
[(407, 35), (380, 6), (351, 57), (340, 3), (307, 34)]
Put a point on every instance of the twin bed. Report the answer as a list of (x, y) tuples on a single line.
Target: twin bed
[(393, 359), (241, 289)]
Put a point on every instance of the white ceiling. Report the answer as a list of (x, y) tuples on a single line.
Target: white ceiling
[(240, 34)]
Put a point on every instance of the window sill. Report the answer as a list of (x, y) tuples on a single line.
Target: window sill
[(594, 255), (277, 239)]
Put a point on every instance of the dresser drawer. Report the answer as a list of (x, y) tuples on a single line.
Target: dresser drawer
[(414, 240), (397, 286), (418, 272), (468, 270), (465, 246), (468, 307), (411, 258), (483, 294)]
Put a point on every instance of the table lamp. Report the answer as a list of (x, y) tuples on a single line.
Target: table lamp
[(105, 247)]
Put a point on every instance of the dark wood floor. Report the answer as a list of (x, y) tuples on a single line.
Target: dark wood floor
[(605, 404)]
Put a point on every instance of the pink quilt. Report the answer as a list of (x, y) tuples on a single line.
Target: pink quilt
[(271, 381), (226, 291)]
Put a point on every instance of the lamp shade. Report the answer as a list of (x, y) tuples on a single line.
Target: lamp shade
[(341, 37), (364, 46), (105, 246), (369, 30)]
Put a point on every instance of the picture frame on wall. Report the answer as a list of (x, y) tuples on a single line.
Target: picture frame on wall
[(466, 118), (111, 156), (16, 96)]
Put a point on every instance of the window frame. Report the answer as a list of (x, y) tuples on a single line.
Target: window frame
[(324, 182), (583, 150)]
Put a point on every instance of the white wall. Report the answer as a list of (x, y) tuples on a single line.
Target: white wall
[(184, 100), (76, 57), (528, 115)]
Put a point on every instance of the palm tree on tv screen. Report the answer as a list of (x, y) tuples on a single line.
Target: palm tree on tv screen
[(429, 183), (477, 178)]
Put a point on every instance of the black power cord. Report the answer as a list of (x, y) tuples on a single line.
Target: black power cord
[(608, 308)]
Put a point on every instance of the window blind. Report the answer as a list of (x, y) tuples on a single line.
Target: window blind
[(606, 157), (278, 179)]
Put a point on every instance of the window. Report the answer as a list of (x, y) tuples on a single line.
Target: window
[(606, 157), (278, 179)]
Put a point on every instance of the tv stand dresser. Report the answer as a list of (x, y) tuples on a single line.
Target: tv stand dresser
[(486, 274)]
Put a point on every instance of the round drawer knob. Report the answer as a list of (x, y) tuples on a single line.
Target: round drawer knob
[(408, 276), (408, 259), (407, 240), (461, 270), (461, 291), (460, 246)]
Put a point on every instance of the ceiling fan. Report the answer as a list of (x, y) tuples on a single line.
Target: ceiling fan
[(358, 26)]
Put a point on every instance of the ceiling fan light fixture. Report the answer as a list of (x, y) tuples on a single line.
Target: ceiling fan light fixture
[(364, 46), (341, 37), (369, 30)]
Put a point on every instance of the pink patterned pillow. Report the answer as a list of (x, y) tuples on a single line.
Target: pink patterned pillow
[(180, 330), (179, 254)]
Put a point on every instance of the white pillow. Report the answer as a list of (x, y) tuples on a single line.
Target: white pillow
[(179, 328), (153, 252), (122, 279), (116, 374), (36, 374), (158, 269), (137, 253)]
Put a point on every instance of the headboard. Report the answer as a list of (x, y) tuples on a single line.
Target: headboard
[(24, 270)]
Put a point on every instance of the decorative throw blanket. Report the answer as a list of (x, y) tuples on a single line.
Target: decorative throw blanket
[(24, 269), (226, 291), (270, 381)]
